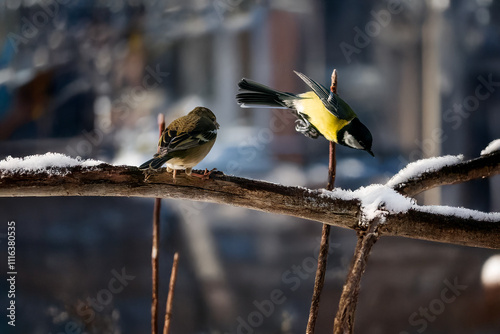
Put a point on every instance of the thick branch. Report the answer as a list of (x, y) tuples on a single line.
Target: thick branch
[(484, 166), (126, 181), (106, 180)]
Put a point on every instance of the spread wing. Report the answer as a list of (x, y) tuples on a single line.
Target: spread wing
[(330, 100)]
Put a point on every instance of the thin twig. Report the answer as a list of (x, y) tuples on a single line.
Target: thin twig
[(155, 265), (332, 167), (170, 298), (333, 87), (154, 251), (344, 320), (319, 280)]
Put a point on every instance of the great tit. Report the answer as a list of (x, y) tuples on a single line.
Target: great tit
[(319, 111), (185, 141)]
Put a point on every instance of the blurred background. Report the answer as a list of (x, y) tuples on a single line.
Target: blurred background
[(88, 78)]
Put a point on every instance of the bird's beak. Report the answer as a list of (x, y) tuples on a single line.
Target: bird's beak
[(371, 153), (216, 125)]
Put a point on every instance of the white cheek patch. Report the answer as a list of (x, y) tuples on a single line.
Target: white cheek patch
[(351, 141)]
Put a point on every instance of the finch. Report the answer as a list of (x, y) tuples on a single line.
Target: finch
[(185, 142)]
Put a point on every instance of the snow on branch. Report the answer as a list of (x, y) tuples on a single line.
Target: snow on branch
[(494, 146), (49, 163), (415, 169), (429, 173), (399, 215)]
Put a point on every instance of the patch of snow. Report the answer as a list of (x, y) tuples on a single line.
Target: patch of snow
[(337, 193), (492, 147), (46, 163), (490, 274), (458, 212), (378, 200), (417, 168)]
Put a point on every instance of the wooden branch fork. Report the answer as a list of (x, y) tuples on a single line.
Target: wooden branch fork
[(337, 208), (452, 170)]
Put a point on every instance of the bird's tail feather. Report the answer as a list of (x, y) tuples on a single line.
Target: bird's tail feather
[(154, 163), (258, 95)]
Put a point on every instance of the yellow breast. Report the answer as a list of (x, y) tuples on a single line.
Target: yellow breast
[(326, 123)]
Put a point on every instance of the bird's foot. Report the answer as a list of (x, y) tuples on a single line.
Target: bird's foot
[(174, 174), (303, 126), (147, 174), (205, 175)]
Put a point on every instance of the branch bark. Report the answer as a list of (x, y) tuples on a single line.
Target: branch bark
[(170, 297), (482, 167), (319, 279), (155, 260), (155, 263), (125, 181), (344, 320)]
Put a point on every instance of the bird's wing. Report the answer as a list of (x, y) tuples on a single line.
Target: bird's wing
[(172, 141), (330, 101), (190, 140)]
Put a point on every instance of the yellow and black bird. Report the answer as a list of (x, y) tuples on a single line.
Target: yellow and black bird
[(319, 111), (185, 142)]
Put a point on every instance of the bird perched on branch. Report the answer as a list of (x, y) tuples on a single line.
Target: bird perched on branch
[(319, 111), (185, 142)]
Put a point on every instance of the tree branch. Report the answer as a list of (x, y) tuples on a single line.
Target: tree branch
[(344, 320), (482, 167), (128, 181), (319, 279), (155, 260), (155, 263), (317, 205), (170, 297)]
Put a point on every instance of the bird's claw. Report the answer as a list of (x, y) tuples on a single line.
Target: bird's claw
[(205, 175), (147, 175), (303, 126)]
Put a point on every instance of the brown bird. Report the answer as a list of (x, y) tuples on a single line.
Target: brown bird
[(185, 142)]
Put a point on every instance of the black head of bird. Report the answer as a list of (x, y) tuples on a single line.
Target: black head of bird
[(356, 135)]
